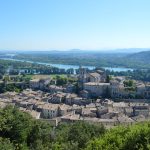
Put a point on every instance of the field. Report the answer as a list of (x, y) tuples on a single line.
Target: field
[(45, 76)]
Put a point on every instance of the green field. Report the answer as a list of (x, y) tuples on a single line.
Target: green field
[(45, 76)]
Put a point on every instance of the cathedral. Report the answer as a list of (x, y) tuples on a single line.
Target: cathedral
[(85, 76)]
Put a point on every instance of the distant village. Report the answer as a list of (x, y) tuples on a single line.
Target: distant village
[(96, 98)]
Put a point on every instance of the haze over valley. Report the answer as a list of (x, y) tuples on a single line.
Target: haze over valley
[(124, 58)]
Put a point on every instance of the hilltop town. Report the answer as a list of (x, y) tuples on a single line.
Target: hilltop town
[(74, 75), (95, 98)]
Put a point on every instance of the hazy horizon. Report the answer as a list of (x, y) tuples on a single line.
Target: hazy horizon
[(76, 49)]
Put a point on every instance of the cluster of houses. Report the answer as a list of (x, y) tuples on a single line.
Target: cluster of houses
[(65, 107), (94, 83), (49, 84), (92, 103)]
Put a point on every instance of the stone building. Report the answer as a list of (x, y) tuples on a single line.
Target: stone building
[(96, 89), (98, 76)]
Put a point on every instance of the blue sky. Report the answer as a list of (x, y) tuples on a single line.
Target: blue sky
[(69, 24)]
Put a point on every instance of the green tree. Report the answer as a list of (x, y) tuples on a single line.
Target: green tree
[(5, 144), (135, 137), (128, 83), (40, 135), (61, 80), (15, 125), (82, 132)]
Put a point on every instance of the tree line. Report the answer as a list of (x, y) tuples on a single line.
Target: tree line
[(138, 74)]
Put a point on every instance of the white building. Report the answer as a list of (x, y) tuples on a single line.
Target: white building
[(50, 110)]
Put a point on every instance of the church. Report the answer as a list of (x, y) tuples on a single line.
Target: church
[(94, 82)]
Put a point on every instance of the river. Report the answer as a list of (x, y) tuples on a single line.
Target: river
[(62, 66)]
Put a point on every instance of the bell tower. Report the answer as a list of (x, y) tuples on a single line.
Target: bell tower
[(82, 78)]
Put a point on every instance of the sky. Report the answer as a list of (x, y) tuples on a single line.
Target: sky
[(74, 24)]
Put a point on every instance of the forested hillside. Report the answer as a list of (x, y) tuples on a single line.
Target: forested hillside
[(141, 56)]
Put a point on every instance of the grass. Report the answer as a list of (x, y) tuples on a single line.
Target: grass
[(39, 76), (61, 75), (45, 76)]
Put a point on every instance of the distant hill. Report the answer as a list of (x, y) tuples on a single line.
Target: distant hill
[(140, 57), (131, 50)]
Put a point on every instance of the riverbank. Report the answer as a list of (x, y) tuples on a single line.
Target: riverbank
[(62, 66)]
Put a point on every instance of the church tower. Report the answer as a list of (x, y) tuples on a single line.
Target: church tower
[(82, 78)]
